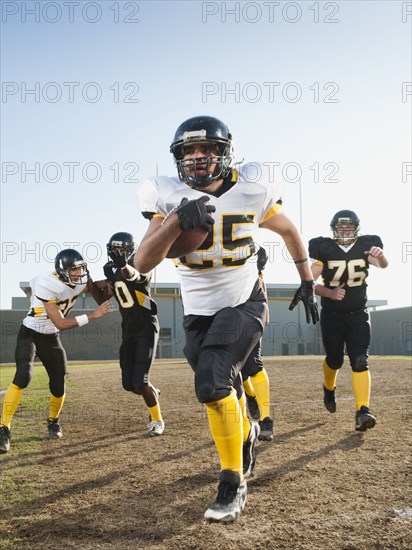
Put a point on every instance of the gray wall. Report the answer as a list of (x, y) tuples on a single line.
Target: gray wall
[(287, 332), (391, 331)]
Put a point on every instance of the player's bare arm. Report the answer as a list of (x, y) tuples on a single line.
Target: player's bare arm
[(98, 290), (156, 243), (281, 224), (62, 323), (162, 233), (376, 257), (104, 286)]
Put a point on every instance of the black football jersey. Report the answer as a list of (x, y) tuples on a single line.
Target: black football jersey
[(339, 266), (133, 297)]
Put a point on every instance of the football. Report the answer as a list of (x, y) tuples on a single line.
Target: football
[(187, 242)]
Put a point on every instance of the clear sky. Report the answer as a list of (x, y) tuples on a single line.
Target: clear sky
[(92, 93)]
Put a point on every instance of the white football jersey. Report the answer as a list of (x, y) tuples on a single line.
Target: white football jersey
[(47, 287), (218, 275)]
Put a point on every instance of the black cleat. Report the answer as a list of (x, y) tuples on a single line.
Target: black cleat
[(249, 453), (55, 431), (4, 439), (266, 429), (364, 420), (253, 407), (329, 400), (230, 499)]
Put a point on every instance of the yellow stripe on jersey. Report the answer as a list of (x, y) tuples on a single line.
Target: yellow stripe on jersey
[(158, 216), (143, 300), (235, 175), (272, 211), (37, 311), (318, 262)]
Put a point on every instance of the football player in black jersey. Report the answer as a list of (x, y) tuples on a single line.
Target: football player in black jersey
[(343, 263), (140, 327)]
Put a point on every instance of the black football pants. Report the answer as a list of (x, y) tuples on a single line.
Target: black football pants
[(48, 348), (350, 329)]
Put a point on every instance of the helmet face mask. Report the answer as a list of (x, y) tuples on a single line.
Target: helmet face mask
[(212, 138), (71, 268), (123, 242), (345, 226)]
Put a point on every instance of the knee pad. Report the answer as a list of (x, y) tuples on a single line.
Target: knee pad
[(360, 364), (206, 392), (334, 365), (211, 382), (57, 388), (22, 379)]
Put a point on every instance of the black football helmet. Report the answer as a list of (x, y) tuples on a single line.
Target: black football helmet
[(123, 241), (203, 129), (67, 260), (348, 235)]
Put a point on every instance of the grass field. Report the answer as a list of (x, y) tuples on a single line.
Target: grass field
[(318, 485)]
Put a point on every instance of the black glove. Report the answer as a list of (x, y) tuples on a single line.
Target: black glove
[(306, 293), (262, 259), (195, 214), (119, 257)]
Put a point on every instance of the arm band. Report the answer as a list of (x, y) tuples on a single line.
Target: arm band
[(301, 261), (82, 320)]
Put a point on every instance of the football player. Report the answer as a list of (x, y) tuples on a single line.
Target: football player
[(343, 264), (255, 377), (224, 301), (52, 297), (140, 327)]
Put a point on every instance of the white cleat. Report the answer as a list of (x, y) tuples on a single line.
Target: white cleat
[(230, 499), (155, 428)]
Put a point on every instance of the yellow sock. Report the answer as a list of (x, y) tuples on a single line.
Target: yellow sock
[(248, 387), (245, 419), (261, 385), (225, 421), (155, 413), (10, 404), (56, 404), (361, 385), (329, 375)]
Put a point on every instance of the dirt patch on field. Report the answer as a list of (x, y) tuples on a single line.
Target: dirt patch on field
[(318, 485)]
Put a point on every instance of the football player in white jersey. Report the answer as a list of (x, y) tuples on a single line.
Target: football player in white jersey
[(224, 303), (53, 296)]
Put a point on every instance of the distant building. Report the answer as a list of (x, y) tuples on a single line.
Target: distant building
[(287, 333)]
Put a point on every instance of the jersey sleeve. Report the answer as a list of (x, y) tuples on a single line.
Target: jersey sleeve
[(314, 250), (108, 271), (372, 240), (45, 290), (148, 197), (263, 176)]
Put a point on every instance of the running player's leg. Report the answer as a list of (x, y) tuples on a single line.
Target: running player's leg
[(53, 356), (357, 344), (24, 356), (333, 337)]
